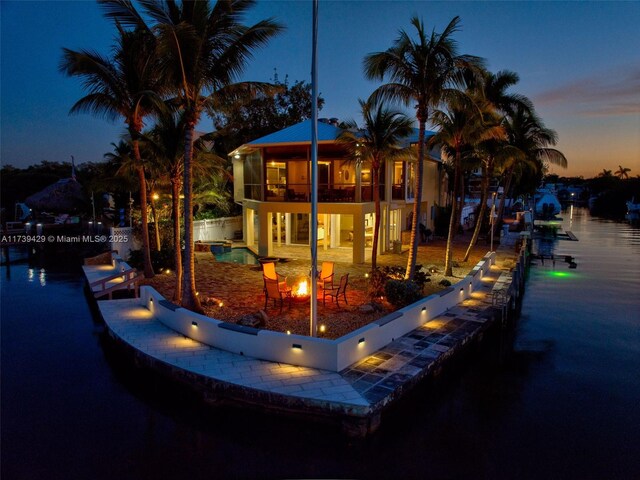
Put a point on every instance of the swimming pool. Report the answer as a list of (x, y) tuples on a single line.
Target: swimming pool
[(238, 255)]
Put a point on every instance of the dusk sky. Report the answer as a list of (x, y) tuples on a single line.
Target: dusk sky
[(577, 61)]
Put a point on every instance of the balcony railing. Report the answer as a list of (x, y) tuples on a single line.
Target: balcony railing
[(336, 193)]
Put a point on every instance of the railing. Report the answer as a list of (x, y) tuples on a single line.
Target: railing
[(128, 280)]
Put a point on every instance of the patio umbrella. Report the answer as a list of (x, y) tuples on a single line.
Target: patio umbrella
[(64, 196)]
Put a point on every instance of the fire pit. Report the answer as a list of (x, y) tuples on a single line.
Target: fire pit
[(301, 290)]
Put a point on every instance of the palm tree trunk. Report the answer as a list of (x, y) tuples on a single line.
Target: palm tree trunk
[(460, 202), (376, 227), (413, 249), (484, 195), (189, 292), (156, 228), (448, 267), (148, 268), (507, 186), (177, 244)]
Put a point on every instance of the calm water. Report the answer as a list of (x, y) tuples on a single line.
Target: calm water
[(238, 255), (557, 398)]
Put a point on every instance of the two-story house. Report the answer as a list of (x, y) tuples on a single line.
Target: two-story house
[(272, 183)]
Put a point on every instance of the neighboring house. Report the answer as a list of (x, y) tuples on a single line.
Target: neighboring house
[(272, 183)]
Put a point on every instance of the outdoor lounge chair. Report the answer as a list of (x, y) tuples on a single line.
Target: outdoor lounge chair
[(272, 290), (336, 292)]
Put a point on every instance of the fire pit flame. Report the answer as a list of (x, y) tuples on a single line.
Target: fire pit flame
[(301, 289)]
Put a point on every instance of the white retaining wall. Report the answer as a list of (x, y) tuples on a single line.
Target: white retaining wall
[(216, 229), (333, 355)]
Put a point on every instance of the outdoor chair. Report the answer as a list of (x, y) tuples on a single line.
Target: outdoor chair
[(336, 292), (325, 277), (269, 271), (272, 290)]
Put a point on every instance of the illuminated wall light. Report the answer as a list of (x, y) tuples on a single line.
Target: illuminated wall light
[(461, 290), (297, 346), (424, 309), (194, 323), (361, 341)]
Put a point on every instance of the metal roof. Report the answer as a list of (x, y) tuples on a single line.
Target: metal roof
[(299, 133)]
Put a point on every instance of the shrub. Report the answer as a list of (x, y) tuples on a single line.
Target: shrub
[(445, 283), (380, 277), (159, 260), (401, 293)]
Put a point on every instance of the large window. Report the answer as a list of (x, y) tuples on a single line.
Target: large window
[(276, 181), (252, 176), (397, 188)]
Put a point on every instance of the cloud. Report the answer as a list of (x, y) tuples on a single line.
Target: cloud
[(614, 92)]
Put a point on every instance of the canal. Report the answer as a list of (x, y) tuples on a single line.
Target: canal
[(557, 396)]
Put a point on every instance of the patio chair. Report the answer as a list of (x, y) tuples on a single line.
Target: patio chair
[(325, 277), (272, 290), (269, 271), (336, 292)]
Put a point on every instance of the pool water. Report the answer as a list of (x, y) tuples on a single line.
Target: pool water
[(243, 256)]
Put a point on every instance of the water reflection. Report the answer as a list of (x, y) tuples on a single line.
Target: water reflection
[(555, 397)]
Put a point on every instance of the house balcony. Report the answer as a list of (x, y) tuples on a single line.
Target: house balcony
[(335, 193)]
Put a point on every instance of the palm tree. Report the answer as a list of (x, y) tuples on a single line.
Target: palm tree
[(492, 96), (530, 138), (460, 129), (420, 73), (203, 48), (120, 87), (605, 173), (376, 143), (622, 172)]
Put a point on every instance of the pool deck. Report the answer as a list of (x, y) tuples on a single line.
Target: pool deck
[(354, 397)]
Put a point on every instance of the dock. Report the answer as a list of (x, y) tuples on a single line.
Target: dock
[(353, 398)]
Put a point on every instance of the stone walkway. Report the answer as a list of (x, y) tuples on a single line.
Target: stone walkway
[(361, 390)]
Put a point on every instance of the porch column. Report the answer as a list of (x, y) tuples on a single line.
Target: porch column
[(248, 227), (335, 230), (325, 240), (358, 240), (287, 229), (265, 234), (279, 228)]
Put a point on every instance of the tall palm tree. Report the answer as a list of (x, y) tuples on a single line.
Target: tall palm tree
[(527, 134), (120, 87), (492, 97), (460, 129), (622, 172), (605, 173), (203, 48), (376, 143), (420, 73)]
